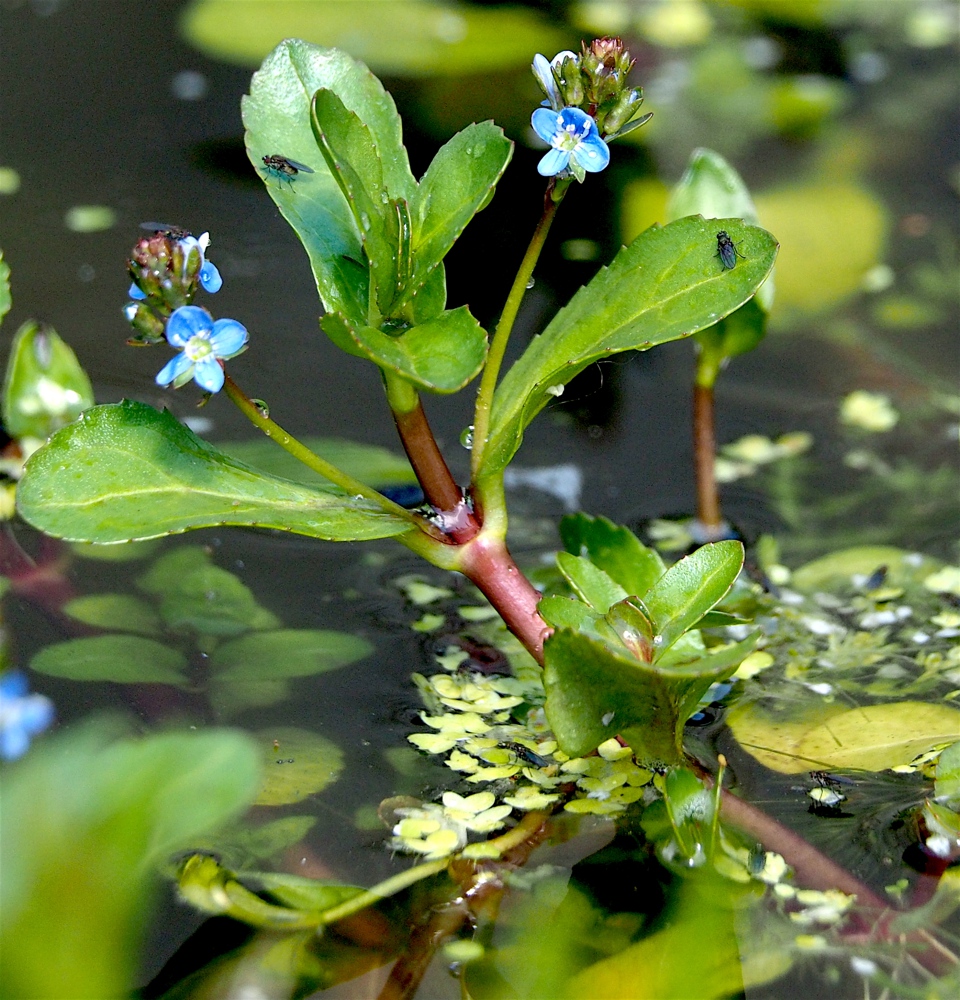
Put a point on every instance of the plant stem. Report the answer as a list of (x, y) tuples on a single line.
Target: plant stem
[(313, 461), (389, 887), (489, 565), (457, 520), (498, 345), (704, 456)]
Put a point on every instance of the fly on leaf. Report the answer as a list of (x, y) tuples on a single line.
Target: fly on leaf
[(282, 168), (727, 251)]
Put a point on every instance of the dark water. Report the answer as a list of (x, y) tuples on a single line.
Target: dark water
[(88, 117)]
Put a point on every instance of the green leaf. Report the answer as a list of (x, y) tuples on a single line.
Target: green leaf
[(304, 893), (197, 596), (286, 653), (567, 612), (589, 582), (613, 548), (297, 764), (84, 820), (458, 183), (947, 784), (595, 691), (690, 588), (441, 355), (666, 285), (711, 187), (352, 157), (243, 844), (126, 471), (276, 114), (369, 463), (396, 37), (44, 387), (118, 612), (593, 694), (5, 299), (123, 659), (876, 737)]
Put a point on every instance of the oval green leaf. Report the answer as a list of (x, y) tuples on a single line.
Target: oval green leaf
[(123, 659), (126, 471), (118, 612), (297, 763), (668, 284), (286, 653)]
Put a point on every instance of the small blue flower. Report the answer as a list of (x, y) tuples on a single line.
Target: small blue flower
[(22, 715), (571, 133), (204, 344)]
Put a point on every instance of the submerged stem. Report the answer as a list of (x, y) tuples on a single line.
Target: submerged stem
[(498, 345)]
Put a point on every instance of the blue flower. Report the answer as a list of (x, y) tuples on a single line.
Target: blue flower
[(210, 279), (22, 715), (543, 71), (204, 344), (572, 133)]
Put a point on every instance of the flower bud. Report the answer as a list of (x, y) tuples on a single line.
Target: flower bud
[(605, 65), (623, 110), (566, 70), (148, 325)]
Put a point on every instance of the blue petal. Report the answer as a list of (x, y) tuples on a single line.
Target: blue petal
[(553, 162), (544, 122), (209, 375), (135, 292), (36, 714), (210, 277), (574, 116), (174, 368), (228, 337), (187, 322), (13, 742), (592, 153), (13, 684), (544, 75)]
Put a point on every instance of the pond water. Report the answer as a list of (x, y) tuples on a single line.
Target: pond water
[(841, 117)]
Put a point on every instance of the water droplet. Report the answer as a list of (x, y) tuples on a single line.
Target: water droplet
[(658, 640), (365, 221), (554, 390), (531, 282), (262, 407), (384, 197), (466, 438)]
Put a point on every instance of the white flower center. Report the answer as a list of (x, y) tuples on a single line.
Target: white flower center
[(198, 347)]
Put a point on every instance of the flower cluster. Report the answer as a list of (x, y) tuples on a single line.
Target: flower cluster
[(588, 103), (167, 269), (22, 715)]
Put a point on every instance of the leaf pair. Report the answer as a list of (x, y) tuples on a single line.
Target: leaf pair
[(376, 239), (629, 664)]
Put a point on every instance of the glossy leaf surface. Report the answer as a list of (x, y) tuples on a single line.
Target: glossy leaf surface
[(276, 114), (594, 693), (589, 582), (666, 285), (127, 471), (615, 549), (123, 659), (441, 355), (691, 587)]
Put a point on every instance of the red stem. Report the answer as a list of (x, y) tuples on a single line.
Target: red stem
[(439, 486), (488, 564), (704, 453)]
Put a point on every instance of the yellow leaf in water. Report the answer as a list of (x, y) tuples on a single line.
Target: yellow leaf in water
[(877, 737)]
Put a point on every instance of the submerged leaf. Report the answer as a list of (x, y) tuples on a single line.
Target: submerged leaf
[(286, 653), (297, 763), (123, 659)]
